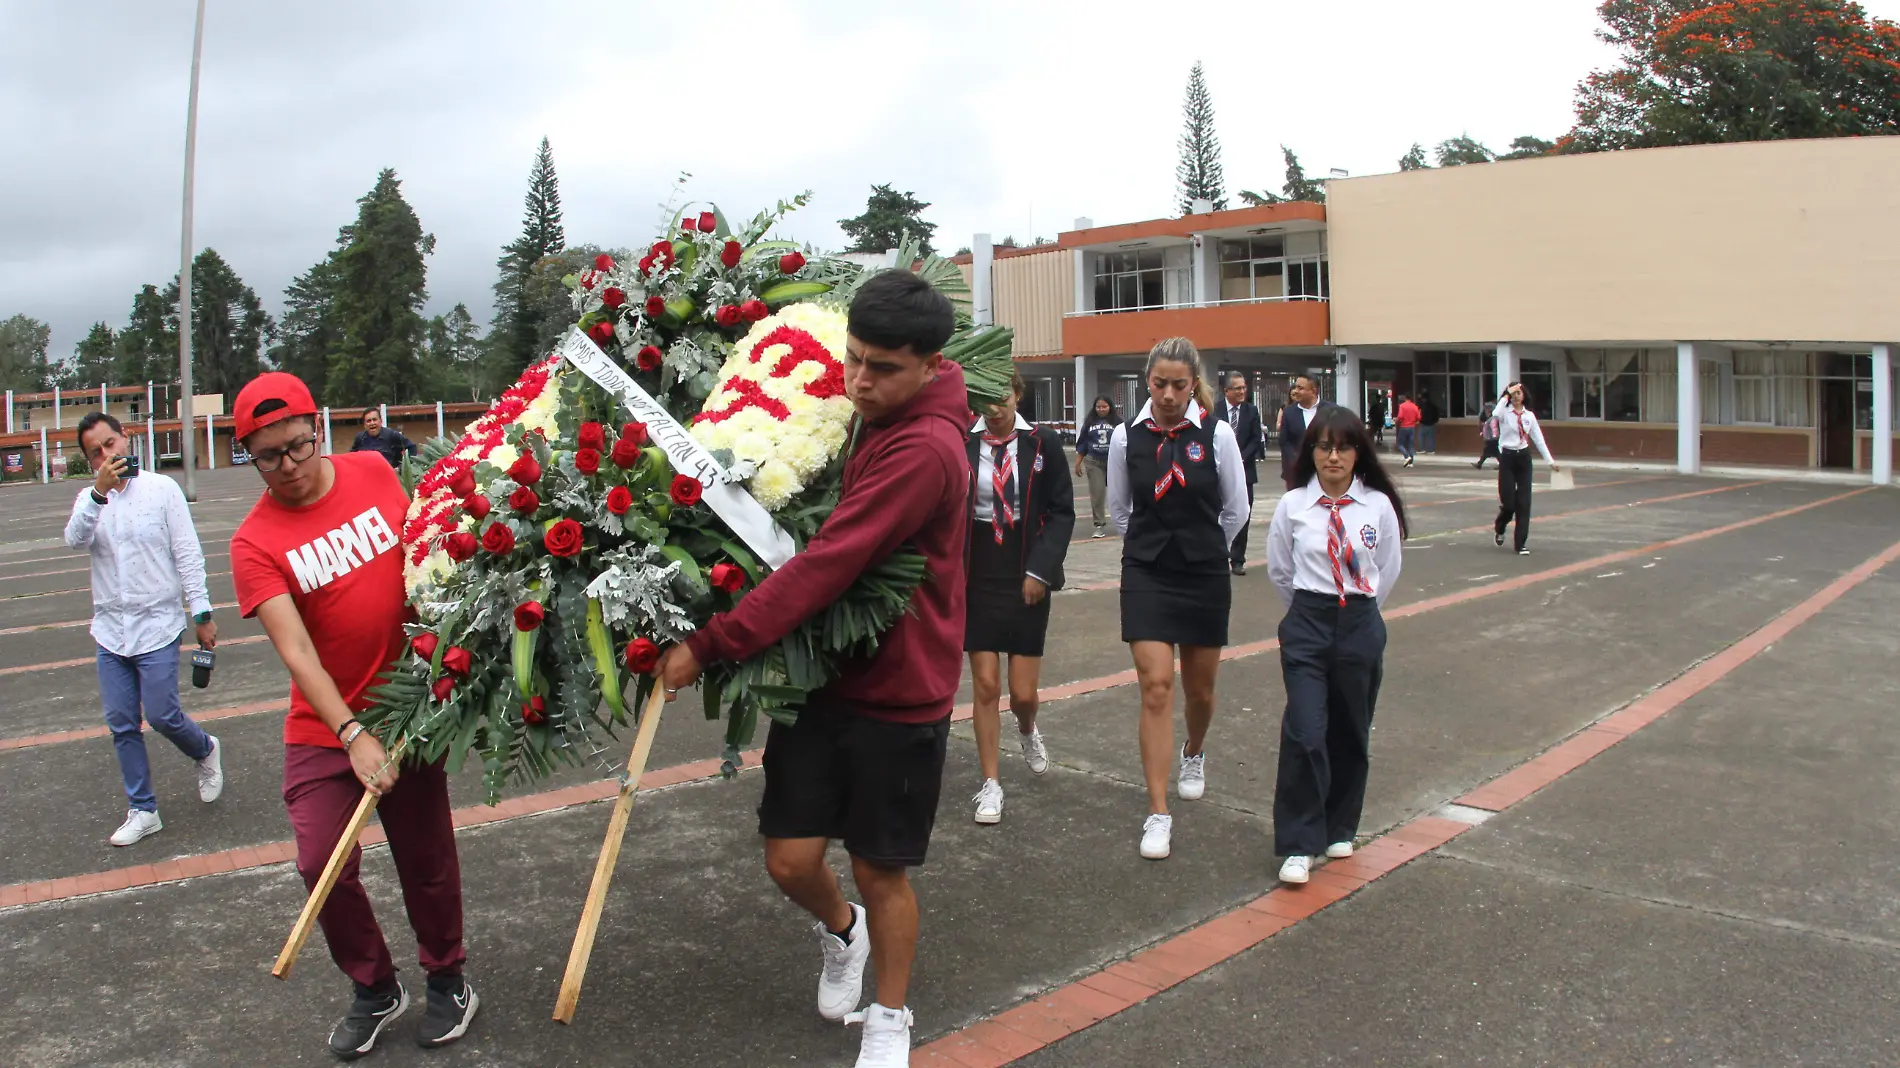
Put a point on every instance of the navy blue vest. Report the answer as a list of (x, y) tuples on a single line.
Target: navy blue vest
[(1182, 529)]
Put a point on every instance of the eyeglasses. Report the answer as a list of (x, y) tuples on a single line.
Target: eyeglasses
[(1333, 448), (296, 451)]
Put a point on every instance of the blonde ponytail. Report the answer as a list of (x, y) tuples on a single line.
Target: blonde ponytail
[(1181, 350)]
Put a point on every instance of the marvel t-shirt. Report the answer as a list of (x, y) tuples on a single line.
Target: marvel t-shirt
[(340, 560)]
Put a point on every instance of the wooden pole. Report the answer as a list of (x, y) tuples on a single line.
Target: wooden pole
[(577, 957), (320, 893)]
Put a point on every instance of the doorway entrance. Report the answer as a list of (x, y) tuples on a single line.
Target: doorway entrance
[(1837, 423)]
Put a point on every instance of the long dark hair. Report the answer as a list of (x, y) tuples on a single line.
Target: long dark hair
[(1114, 412), (1342, 427)]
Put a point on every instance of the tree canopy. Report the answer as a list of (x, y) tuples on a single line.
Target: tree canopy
[(889, 216), (516, 328), (1198, 175), (23, 365), (1297, 186)]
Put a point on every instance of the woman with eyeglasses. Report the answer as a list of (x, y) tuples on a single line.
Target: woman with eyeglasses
[(1177, 491), (1333, 554)]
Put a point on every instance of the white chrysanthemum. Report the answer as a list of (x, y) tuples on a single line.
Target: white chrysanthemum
[(503, 456), (775, 484)]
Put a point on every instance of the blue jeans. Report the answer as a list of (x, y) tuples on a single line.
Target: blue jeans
[(150, 680), (1405, 441), (1427, 438)]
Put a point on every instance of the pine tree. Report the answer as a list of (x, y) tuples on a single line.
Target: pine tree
[(308, 330), (516, 323), (1298, 185), (228, 326), (23, 363), (889, 217), (148, 346), (1414, 159), (1199, 174), (1463, 150), (379, 288), (95, 359)]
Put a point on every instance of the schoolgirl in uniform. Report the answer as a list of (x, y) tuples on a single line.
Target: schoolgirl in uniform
[(1091, 457), (1517, 432), (1333, 555), (1022, 512), (1177, 491)]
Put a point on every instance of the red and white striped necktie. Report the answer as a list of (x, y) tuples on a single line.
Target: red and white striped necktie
[(1339, 549), (1171, 474), (1002, 468), (1522, 433)]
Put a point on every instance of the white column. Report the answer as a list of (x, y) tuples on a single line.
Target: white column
[(45, 466), (982, 294), (439, 431), (151, 441), (382, 412), (1688, 408), (326, 432), (1198, 283), (1507, 369), (1883, 414), (9, 411), (211, 444), (56, 413), (1346, 381), (1081, 282), (149, 413)]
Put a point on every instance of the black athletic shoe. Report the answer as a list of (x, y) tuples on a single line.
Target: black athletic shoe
[(357, 1032), (1498, 538), (1240, 569), (452, 1007)]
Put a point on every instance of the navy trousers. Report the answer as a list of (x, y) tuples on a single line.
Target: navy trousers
[(1332, 658)]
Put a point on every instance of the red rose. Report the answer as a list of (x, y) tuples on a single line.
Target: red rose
[(593, 436), (791, 263), (442, 688), (728, 578), (656, 307), (646, 264), (524, 500), (754, 310), (477, 506), (619, 499), (604, 262), (731, 253), (642, 656), (534, 710), (587, 461), (686, 491), (662, 253), (636, 432), (498, 539), (613, 298), (528, 615), (649, 358), (524, 470), (686, 223), (424, 644), (708, 222), (461, 546), (602, 332), (457, 660), (588, 278), (564, 538), (463, 484), (626, 453), (727, 315)]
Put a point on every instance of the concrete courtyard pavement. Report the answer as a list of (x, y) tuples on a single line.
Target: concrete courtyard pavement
[(1714, 887)]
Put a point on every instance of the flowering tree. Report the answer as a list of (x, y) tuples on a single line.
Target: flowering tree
[(1694, 72)]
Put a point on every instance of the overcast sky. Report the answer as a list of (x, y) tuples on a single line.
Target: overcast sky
[(1008, 116)]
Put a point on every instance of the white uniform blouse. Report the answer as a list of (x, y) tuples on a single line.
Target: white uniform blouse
[(1296, 542), (1228, 467), (1513, 431)]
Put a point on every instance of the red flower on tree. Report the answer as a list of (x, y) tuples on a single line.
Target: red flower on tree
[(565, 538), (524, 500), (498, 539), (587, 461), (461, 546), (642, 656), (686, 491), (619, 499), (528, 615)]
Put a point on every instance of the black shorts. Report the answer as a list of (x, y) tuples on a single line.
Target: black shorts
[(838, 774)]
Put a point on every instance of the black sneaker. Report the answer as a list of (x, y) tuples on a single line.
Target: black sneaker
[(1498, 538), (356, 1033), (452, 1007)]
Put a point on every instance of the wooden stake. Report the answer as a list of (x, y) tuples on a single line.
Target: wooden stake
[(577, 957), (321, 892)]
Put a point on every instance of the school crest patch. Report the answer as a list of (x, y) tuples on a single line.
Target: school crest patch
[(1195, 453), (1038, 464), (1370, 535)]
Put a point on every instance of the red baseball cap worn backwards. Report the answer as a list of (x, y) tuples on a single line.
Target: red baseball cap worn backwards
[(271, 386)]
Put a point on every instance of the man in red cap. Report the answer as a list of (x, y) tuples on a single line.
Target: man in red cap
[(318, 561)]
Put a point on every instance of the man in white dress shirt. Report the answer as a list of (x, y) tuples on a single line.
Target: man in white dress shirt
[(146, 563)]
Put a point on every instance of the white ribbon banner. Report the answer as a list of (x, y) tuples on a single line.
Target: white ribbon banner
[(723, 493)]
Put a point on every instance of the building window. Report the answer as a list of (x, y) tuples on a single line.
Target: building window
[(1253, 269), (1462, 384), (1539, 378), (1126, 281), (1617, 385), (1773, 389), (1307, 278)]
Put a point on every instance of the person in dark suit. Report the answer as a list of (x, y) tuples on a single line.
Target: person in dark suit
[(1022, 514), (1302, 402), (1234, 409)]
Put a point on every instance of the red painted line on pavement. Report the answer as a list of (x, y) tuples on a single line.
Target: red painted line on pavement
[(72, 589), (70, 623), (1415, 506), (84, 661), (73, 570), (1072, 1008), (83, 733), (1486, 528)]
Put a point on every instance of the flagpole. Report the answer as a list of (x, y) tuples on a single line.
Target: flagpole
[(184, 269)]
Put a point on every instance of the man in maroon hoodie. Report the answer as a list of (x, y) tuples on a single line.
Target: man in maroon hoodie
[(865, 761)]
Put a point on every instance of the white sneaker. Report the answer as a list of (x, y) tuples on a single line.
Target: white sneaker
[(1295, 870), (1340, 850), (989, 803), (1101, 533), (1034, 751), (841, 982), (138, 824), (1156, 836), (1192, 781), (886, 1037), (211, 773)]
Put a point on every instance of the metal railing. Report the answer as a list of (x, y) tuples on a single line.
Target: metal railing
[(1284, 299)]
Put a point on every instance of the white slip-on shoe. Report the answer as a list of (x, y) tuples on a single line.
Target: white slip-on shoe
[(1034, 751), (1295, 870), (1192, 780), (138, 824), (841, 981), (1157, 833), (1340, 850), (886, 1037), (211, 772), (989, 802)]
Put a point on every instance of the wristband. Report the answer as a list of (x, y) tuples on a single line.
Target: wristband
[(202, 618), (96, 498), (353, 734)]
